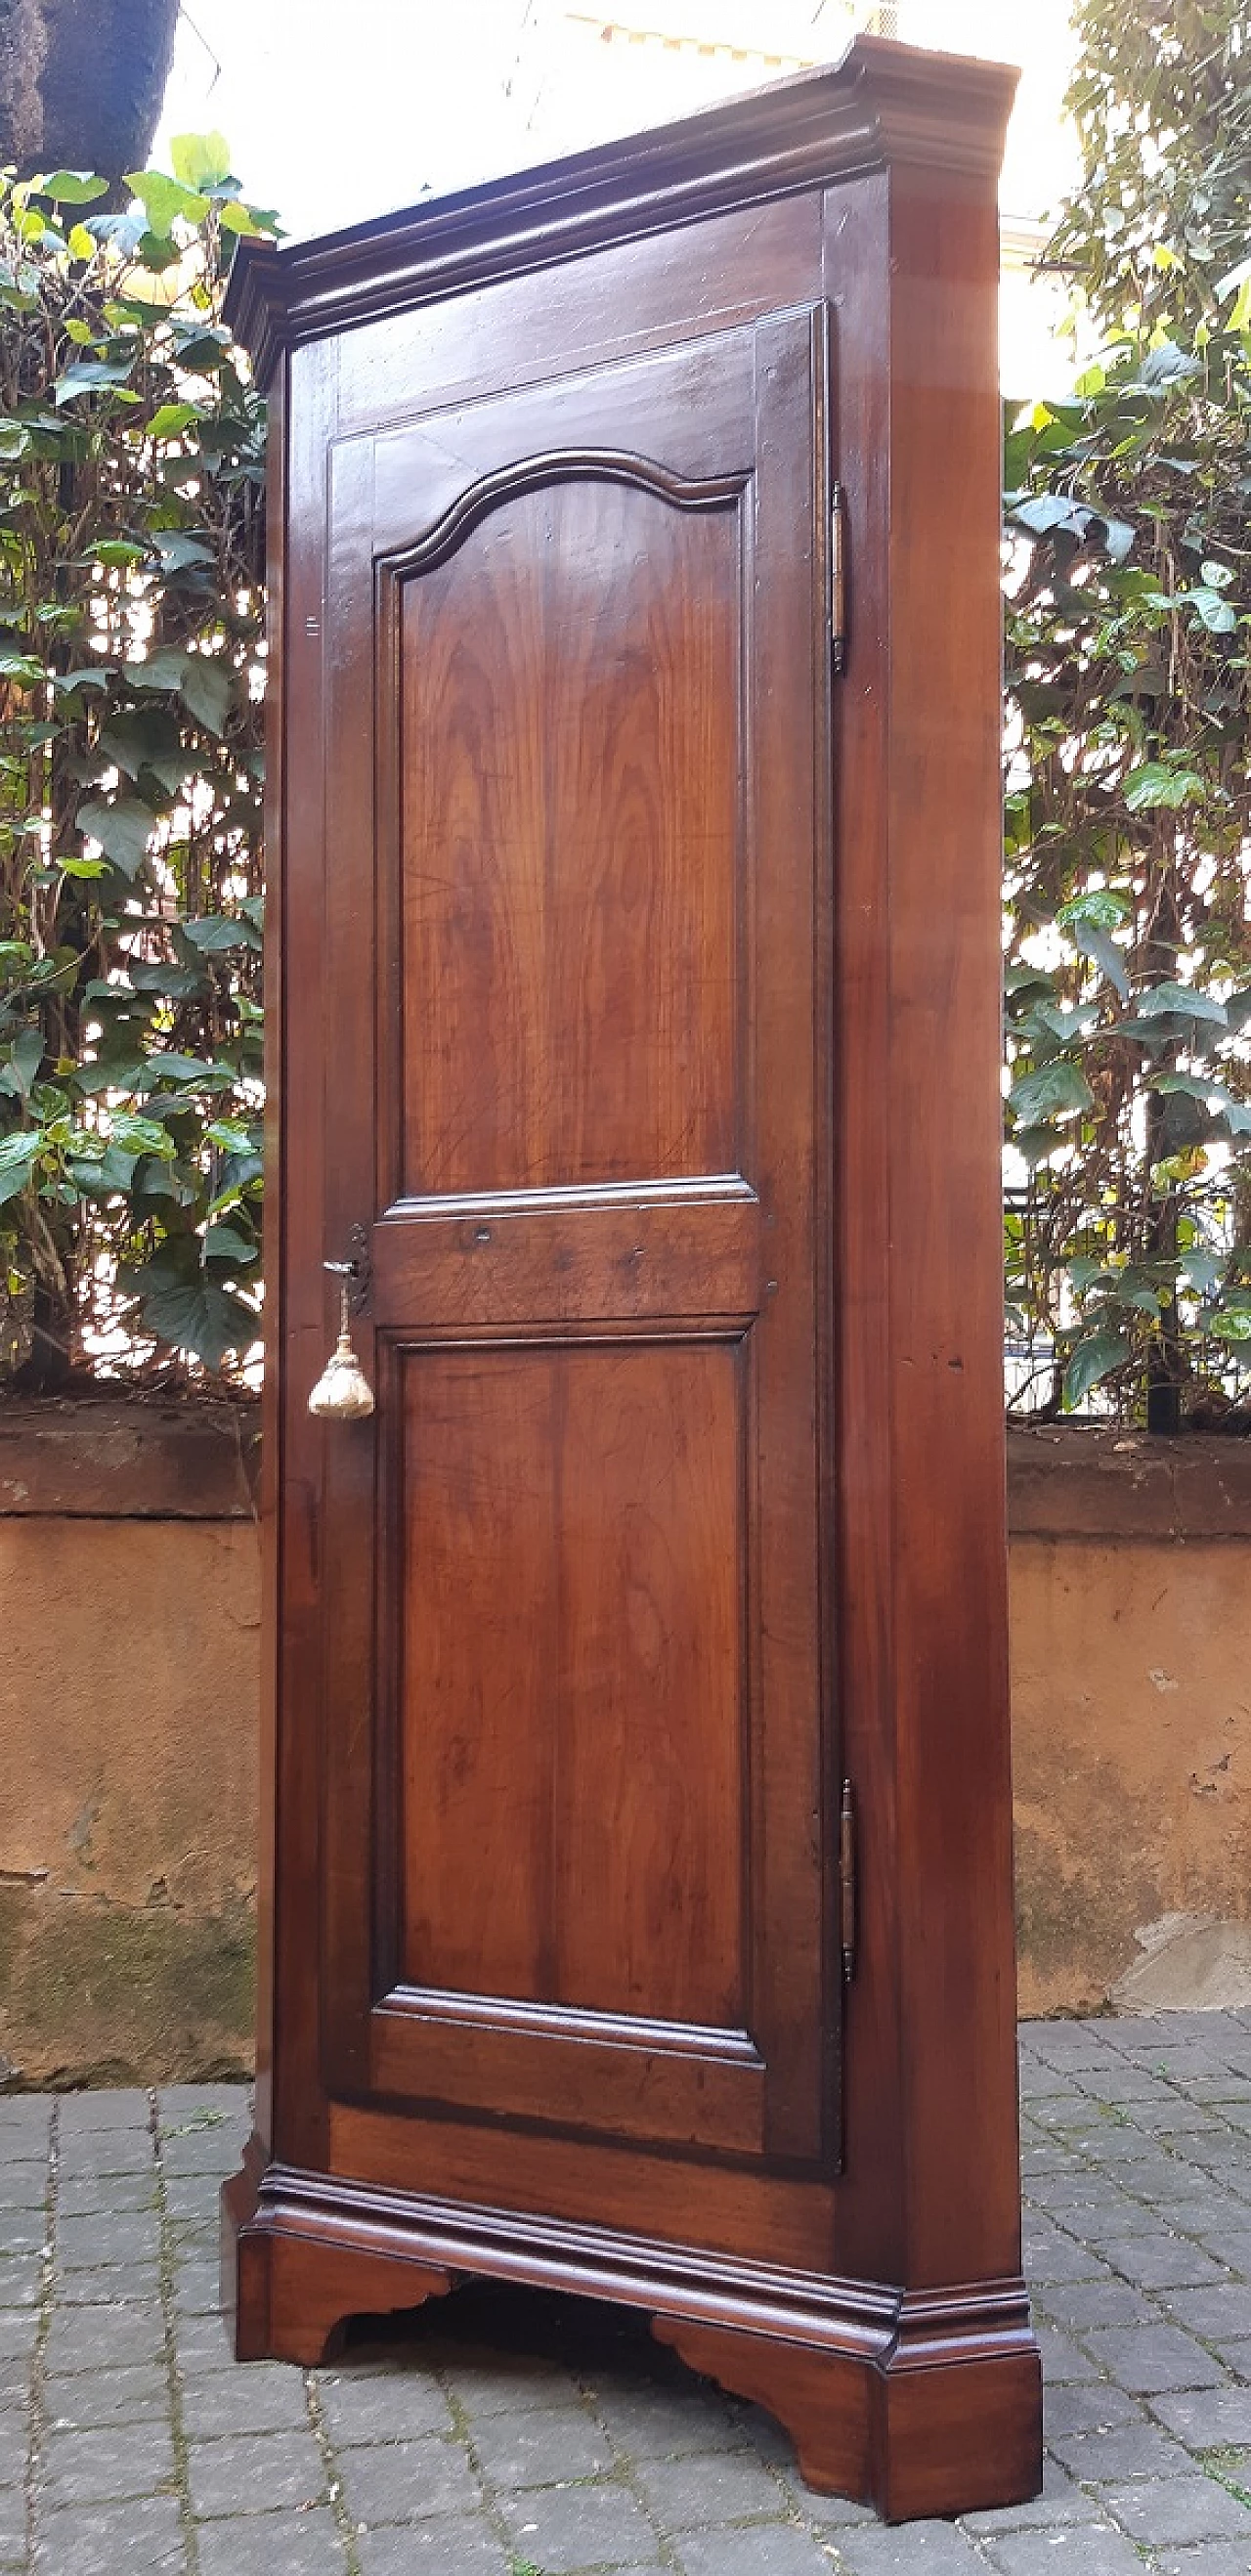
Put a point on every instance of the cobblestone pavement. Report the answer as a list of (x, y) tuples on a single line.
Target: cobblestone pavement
[(509, 2434)]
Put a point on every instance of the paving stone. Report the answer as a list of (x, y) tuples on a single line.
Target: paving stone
[(1079, 2305), (1181, 2509), (261, 2397), (471, 2549), (88, 2399), (24, 2115), (14, 2446), (18, 2328), (203, 2343), (22, 2231), (21, 2280), (772, 2551), (204, 2151), (1207, 2419), (915, 2549), (1236, 2357), (407, 2481), (1090, 2550), (559, 2529), (826, 2514), (106, 2151), (1137, 2450), (1161, 2262), (652, 2422), (23, 2186), (547, 2450), (712, 2487), (1061, 2502), (272, 2544), (254, 2473), (1147, 2359), (115, 2236), (1212, 2558), (181, 2104), (197, 2288), (1063, 2359), (142, 2539), (90, 2194), (91, 2112), (12, 2525), (1069, 2045), (395, 2408), (102, 2467), (1052, 2256), (193, 2196), (120, 2283), (501, 2381), (762, 2433), (1219, 2313)]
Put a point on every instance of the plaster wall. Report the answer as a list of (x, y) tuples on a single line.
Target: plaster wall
[(129, 1612)]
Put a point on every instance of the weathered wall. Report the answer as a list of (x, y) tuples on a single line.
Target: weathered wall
[(1131, 1698), (129, 1606), (129, 1613)]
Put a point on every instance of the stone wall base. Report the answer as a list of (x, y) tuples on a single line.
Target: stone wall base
[(129, 1610)]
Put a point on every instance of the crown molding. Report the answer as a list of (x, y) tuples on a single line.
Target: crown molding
[(879, 106)]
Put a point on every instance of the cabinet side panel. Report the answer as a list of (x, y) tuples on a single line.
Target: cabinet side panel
[(954, 1853), (271, 1412), (857, 254), (298, 2114)]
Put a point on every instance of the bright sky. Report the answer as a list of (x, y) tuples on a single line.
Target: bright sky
[(334, 113)]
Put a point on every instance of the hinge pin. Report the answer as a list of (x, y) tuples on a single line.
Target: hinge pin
[(838, 582), (847, 1881)]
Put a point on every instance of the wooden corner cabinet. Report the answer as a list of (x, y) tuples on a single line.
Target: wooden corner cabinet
[(636, 1878)]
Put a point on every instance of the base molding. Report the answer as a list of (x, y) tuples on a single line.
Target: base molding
[(919, 2403)]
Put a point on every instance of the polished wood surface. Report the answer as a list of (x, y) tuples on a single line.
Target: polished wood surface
[(638, 1026), (570, 682)]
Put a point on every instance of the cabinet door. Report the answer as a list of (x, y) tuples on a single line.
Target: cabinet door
[(577, 1751)]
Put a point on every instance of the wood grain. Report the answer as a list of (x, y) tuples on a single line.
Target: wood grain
[(570, 719)]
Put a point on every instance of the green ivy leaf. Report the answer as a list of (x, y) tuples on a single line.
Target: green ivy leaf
[(215, 934), (206, 691), (1156, 784), (21, 669), (17, 1158), (170, 419), (223, 1243), (189, 1309), (200, 160), (1184, 1001), (160, 669), (1092, 1361), (166, 200), (25, 1057), (92, 376), (136, 1135), (123, 828), (1055, 1090), (73, 187), (235, 218)]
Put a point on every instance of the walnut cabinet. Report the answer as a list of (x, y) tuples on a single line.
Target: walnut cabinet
[(636, 1891)]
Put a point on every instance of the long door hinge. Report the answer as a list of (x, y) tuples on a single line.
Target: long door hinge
[(847, 1881), (838, 580)]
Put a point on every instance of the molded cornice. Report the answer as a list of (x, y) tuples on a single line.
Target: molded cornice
[(881, 105)]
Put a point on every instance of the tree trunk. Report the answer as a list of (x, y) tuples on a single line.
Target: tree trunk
[(81, 82)]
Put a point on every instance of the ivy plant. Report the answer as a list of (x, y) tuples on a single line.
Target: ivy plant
[(1127, 937), (131, 678)]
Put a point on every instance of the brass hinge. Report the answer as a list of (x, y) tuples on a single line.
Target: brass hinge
[(847, 1881), (838, 580)]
